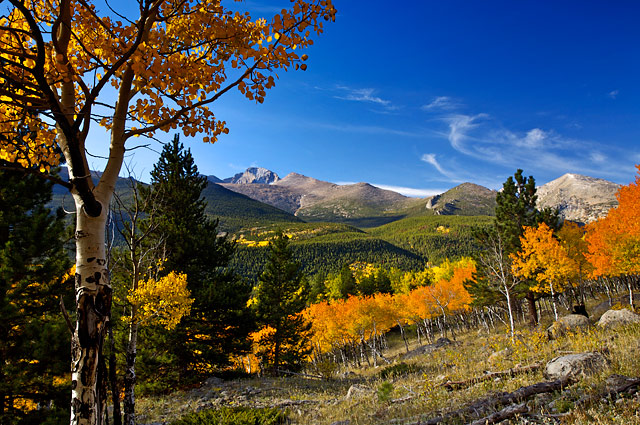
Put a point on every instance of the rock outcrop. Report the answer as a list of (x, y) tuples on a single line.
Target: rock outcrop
[(613, 318), (569, 323), (254, 175), (575, 365)]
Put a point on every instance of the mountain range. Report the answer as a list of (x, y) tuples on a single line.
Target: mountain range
[(578, 198), (259, 196), (331, 224)]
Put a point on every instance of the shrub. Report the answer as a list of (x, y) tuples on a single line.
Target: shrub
[(400, 369), (384, 391), (233, 416)]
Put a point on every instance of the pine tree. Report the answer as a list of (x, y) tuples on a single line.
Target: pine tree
[(220, 322), (347, 282), (515, 209), (280, 296), (34, 339)]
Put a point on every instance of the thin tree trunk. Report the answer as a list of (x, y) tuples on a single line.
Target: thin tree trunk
[(130, 373), (630, 287), (533, 312), (115, 392), (512, 326), (553, 301), (404, 337)]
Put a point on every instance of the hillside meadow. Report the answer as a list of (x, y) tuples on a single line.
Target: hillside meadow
[(439, 385)]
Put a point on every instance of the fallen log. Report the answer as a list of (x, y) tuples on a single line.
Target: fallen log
[(629, 386), (452, 385), (485, 405), (506, 413)]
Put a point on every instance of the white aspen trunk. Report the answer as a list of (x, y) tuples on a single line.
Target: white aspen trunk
[(130, 372), (630, 287), (511, 322), (93, 303), (553, 301)]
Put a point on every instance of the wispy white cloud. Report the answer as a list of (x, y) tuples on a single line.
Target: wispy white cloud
[(365, 95), (406, 191), (614, 93), (362, 95), (486, 140), (459, 126), (409, 191), (430, 158), (441, 103), (534, 138)]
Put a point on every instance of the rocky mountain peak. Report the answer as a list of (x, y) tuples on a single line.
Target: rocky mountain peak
[(579, 198), (254, 175)]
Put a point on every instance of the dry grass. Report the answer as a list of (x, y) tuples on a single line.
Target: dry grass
[(324, 402)]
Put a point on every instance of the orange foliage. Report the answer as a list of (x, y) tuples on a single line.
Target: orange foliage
[(542, 257), (614, 241), (343, 322)]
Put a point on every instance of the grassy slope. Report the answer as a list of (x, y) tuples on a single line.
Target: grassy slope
[(433, 237), (417, 395), (237, 211), (406, 244)]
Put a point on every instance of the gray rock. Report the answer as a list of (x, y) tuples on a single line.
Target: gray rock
[(570, 323), (358, 391), (500, 355), (574, 365), (429, 348), (613, 318), (616, 381)]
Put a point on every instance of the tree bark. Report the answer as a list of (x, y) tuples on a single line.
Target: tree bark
[(130, 374), (533, 311), (93, 303)]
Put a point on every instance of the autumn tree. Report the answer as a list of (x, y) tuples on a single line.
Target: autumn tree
[(614, 241), (279, 299), (189, 243), (64, 63), (148, 294), (494, 275), (544, 259), (34, 337), (515, 209), (572, 237)]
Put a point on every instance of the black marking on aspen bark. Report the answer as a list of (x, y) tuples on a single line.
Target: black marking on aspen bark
[(81, 234), (103, 302), (78, 281), (76, 405), (95, 278), (90, 259), (74, 384), (101, 261)]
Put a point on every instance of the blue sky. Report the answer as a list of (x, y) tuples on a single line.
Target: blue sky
[(429, 94)]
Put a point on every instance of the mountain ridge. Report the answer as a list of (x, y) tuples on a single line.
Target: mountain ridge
[(579, 198)]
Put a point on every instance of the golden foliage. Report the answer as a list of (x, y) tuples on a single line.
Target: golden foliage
[(165, 301), (168, 64), (543, 258)]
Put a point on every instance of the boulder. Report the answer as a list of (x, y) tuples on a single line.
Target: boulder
[(358, 391), (570, 323), (500, 356), (574, 365), (613, 318), (429, 348)]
